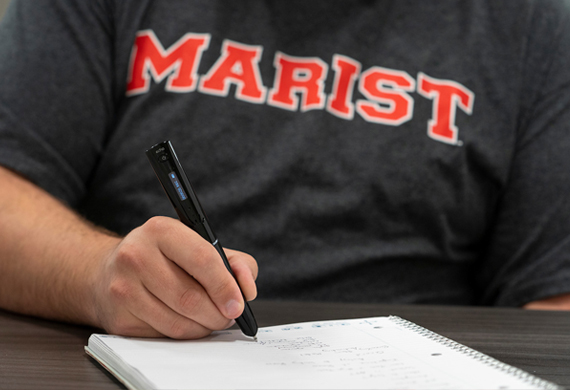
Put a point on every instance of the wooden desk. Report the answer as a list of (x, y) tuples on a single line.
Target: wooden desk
[(38, 354)]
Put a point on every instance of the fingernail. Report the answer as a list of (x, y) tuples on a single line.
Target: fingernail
[(233, 308)]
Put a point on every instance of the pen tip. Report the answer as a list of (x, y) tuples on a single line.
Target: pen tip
[(255, 338)]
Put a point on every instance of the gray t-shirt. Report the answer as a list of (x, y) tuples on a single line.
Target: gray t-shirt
[(372, 151)]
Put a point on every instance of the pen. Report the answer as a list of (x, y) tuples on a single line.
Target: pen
[(173, 179)]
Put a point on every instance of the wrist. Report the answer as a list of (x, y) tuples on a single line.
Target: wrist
[(94, 277)]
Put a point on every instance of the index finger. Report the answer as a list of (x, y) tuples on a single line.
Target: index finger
[(202, 261)]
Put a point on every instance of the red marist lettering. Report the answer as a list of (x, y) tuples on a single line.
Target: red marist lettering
[(302, 75), (238, 64), (388, 103), (299, 83), (347, 71), (179, 62), (447, 96)]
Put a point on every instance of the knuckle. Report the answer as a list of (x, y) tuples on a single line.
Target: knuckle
[(204, 255), (224, 286), (245, 261), (191, 301), (249, 259), (254, 267), (120, 291), (179, 329), (128, 255), (157, 225)]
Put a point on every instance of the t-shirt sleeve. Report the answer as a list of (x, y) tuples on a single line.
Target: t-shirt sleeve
[(56, 94), (528, 256)]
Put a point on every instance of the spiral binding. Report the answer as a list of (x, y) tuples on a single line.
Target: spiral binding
[(476, 355)]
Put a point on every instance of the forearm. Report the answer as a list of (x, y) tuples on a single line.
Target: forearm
[(54, 264), (558, 302), (47, 254)]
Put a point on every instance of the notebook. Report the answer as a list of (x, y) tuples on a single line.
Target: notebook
[(368, 353)]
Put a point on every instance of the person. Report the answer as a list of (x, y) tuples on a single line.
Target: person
[(361, 151)]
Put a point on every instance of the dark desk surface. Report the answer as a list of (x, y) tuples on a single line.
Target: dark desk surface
[(48, 355)]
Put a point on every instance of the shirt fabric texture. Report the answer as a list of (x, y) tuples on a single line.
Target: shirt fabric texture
[(332, 208)]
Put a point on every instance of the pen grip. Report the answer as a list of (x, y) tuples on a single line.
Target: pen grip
[(246, 321)]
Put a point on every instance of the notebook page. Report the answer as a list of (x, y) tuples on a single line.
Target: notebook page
[(370, 353)]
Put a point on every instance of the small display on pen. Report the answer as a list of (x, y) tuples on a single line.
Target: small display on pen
[(176, 183)]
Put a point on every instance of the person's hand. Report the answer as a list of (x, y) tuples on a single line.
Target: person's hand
[(163, 279)]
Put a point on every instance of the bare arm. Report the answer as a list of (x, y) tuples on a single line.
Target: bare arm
[(558, 302), (56, 265)]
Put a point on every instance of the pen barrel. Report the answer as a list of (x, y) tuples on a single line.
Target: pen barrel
[(173, 179), (246, 321), (220, 250)]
